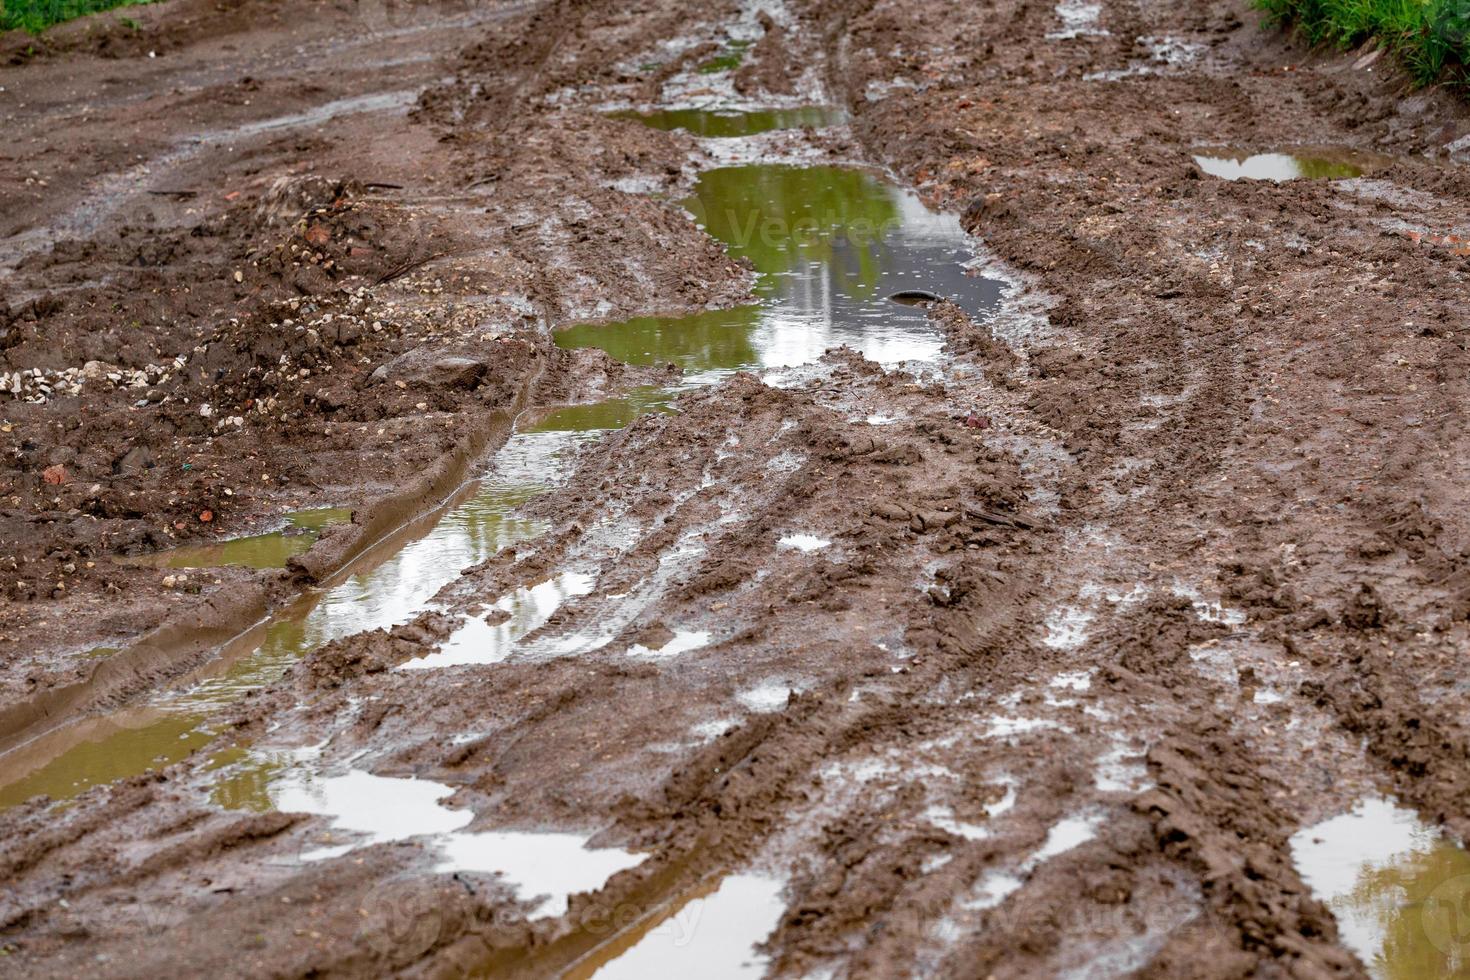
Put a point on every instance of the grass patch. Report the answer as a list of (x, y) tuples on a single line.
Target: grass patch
[(37, 15), (1430, 37)]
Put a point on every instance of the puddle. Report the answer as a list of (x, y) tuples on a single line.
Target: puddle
[(830, 245), (1080, 18), (710, 934), (682, 642), (1064, 835), (708, 731), (770, 696), (103, 753), (615, 413), (732, 124), (1121, 770), (390, 585), (1079, 680), (1233, 164), (1398, 888), (1003, 727), (270, 550), (944, 818), (379, 809), (490, 638), (803, 542), (992, 890)]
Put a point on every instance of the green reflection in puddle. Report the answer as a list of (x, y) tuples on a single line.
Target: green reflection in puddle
[(615, 413), (713, 339), (730, 124), (381, 596), (729, 61), (108, 753), (1232, 164), (380, 593), (829, 244), (244, 780), (781, 217), (1400, 890), (271, 550)]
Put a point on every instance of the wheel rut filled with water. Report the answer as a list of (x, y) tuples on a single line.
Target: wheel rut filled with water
[(807, 488)]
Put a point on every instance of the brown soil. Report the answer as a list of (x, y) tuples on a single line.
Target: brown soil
[(1197, 391)]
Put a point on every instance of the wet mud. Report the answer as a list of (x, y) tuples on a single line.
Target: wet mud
[(824, 488)]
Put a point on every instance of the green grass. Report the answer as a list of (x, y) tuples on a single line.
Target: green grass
[(37, 15), (1431, 37)]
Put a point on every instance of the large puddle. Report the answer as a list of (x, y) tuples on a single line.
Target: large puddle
[(1400, 890), (831, 244)]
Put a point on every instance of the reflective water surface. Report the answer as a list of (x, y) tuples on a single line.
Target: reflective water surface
[(711, 933), (830, 244), (1400, 890), (271, 550), (387, 587), (1235, 164), (366, 809)]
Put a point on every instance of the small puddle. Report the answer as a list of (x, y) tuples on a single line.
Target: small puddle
[(802, 542), (489, 639), (830, 245), (732, 123), (1234, 164), (1065, 834), (766, 697), (711, 933), (272, 550), (682, 641), (379, 809), (1400, 890), (614, 413)]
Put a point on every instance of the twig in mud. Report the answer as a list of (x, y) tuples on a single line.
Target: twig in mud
[(181, 195), (407, 267), (378, 185)]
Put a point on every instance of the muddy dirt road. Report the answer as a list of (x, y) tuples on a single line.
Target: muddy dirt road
[(823, 488)]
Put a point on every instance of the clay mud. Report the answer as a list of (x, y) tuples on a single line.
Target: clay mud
[(807, 488)]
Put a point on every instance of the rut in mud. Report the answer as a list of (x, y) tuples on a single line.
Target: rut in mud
[(824, 488)]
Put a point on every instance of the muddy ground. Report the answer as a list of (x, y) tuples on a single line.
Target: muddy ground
[(268, 257)]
